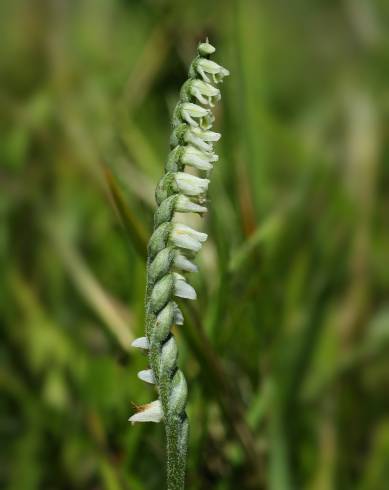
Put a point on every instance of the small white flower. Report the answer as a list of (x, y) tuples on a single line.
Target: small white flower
[(185, 205), (204, 92), (191, 185), (151, 412), (147, 376), (208, 135), (205, 66), (185, 237), (201, 139), (190, 111), (181, 262), (141, 343), (197, 158), (182, 289)]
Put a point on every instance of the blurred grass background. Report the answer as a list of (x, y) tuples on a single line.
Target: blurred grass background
[(286, 349)]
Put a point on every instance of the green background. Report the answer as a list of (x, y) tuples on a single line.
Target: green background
[(286, 349)]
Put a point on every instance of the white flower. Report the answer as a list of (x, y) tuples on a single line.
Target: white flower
[(200, 138), (147, 376), (182, 289), (190, 185), (205, 66), (197, 158), (207, 135), (185, 205), (151, 412), (190, 111), (204, 92), (185, 237), (181, 262), (178, 316), (141, 343)]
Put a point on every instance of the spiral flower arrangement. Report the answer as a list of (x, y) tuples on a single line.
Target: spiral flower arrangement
[(171, 249)]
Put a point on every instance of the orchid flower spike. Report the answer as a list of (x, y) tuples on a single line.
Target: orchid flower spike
[(171, 250)]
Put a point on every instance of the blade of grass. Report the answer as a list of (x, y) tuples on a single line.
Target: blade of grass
[(91, 290)]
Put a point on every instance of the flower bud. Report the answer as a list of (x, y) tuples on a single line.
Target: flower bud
[(205, 49)]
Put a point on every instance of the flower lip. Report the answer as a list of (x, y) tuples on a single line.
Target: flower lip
[(181, 262), (185, 205), (141, 343), (151, 412), (185, 237), (147, 376), (182, 289)]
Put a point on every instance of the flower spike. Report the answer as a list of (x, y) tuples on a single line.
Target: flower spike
[(171, 249)]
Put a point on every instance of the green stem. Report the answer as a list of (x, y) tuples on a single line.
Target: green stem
[(177, 443)]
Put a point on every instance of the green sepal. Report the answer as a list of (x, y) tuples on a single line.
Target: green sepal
[(162, 293), (192, 73), (178, 135), (163, 324), (185, 95), (169, 354), (165, 211), (178, 394), (176, 116), (166, 187), (173, 163), (159, 239), (161, 265)]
